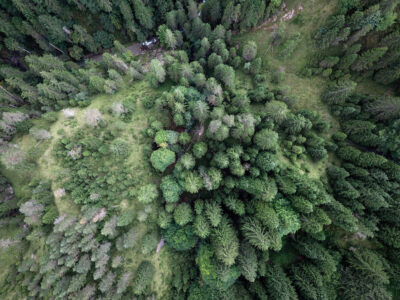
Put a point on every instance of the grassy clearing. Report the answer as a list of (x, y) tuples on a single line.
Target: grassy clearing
[(47, 164), (137, 164), (305, 21)]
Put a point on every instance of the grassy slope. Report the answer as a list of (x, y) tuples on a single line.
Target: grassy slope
[(314, 14)]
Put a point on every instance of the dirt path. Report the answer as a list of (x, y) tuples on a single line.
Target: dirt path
[(160, 245), (135, 48), (283, 15)]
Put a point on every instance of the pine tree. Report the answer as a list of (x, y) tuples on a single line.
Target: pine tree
[(110, 227), (225, 242), (183, 214), (143, 14), (213, 212), (107, 282), (248, 262), (256, 234), (225, 74), (339, 92), (123, 282), (266, 139), (144, 275), (278, 283), (201, 226), (368, 58)]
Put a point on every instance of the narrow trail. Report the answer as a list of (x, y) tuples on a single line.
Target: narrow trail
[(160, 245), (283, 15), (135, 48)]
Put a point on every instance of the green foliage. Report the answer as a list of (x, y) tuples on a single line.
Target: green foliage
[(144, 275), (181, 238), (193, 182), (171, 189), (256, 234), (218, 277), (226, 75), (183, 214), (279, 284), (266, 139), (249, 51), (120, 148), (248, 262), (199, 149), (338, 93), (148, 193), (201, 226), (225, 242), (162, 158), (242, 183)]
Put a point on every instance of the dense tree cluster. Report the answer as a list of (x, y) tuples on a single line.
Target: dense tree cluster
[(254, 196), (344, 39)]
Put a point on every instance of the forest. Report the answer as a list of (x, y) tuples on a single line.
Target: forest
[(217, 149)]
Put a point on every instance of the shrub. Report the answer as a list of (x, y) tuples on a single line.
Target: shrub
[(120, 148), (249, 51), (149, 242), (161, 137), (183, 214), (199, 149), (144, 275), (181, 238), (148, 193), (148, 102), (162, 158), (266, 139), (50, 116), (171, 189)]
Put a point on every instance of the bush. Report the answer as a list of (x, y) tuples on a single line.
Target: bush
[(120, 148), (50, 116), (149, 242), (171, 189), (181, 238), (148, 193), (199, 149), (249, 51), (162, 158), (144, 275), (183, 214), (266, 139), (148, 102)]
